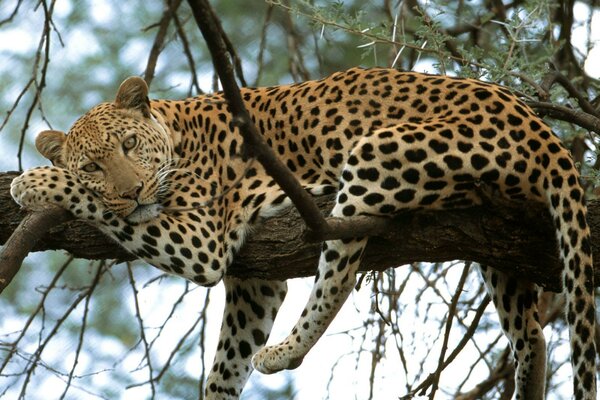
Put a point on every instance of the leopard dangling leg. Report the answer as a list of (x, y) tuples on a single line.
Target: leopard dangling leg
[(516, 304), (250, 309), (335, 279)]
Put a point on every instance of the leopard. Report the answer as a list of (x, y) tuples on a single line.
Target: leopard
[(170, 181)]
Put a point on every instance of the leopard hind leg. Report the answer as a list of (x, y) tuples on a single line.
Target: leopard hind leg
[(516, 305), (334, 281), (250, 309)]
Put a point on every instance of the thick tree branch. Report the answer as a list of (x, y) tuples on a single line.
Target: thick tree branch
[(518, 240)]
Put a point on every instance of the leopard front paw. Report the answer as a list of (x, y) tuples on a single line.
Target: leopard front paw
[(271, 359), (39, 188)]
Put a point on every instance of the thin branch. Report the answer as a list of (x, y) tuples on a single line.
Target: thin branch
[(459, 347), (556, 77), (182, 340), (374, 38), (16, 103), (296, 63), (201, 343), (185, 43), (504, 369), (451, 314), (218, 31), (82, 329), (159, 39), (584, 120), (43, 47), (172, 354), (35, 361), (263, 44), (12, 14), (34, 313), (482, 357), (237, 61), (140, 320)]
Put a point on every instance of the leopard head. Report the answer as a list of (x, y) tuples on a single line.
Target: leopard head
[(120, 151)]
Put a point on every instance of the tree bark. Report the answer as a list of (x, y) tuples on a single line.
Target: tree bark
[(513, 238)]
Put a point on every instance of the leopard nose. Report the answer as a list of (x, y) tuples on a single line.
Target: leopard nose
[(132, 193)]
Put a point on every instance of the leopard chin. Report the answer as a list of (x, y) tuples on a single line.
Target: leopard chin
[(144, 213)]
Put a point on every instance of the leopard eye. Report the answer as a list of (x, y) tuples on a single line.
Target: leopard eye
[(91, 167), (129, 143)]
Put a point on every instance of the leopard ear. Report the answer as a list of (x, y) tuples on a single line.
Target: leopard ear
[(50, 145), (133, 95)]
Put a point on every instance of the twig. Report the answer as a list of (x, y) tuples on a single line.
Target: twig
[(504, 369), (159, 39), (451, 314), (140, 320), (463, 342), (549, 310), (176, 349), (378, 351), (12, 14), (237, 62), (43, 46), (174, 306), (16, 103), (376, 39), (34, 313), (296, 64), (185, 43), (35, 361), (84, 320), (482, 357), (201, 340), (263, 44)]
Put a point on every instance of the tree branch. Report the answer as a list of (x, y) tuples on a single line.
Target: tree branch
[(518, 240), (159, 40), (556, 77), (577, 117)]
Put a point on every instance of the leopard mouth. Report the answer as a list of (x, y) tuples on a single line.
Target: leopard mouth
[(144, 213)]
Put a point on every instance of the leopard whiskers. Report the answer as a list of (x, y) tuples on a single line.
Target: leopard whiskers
[(164, 174), (162, 177)]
